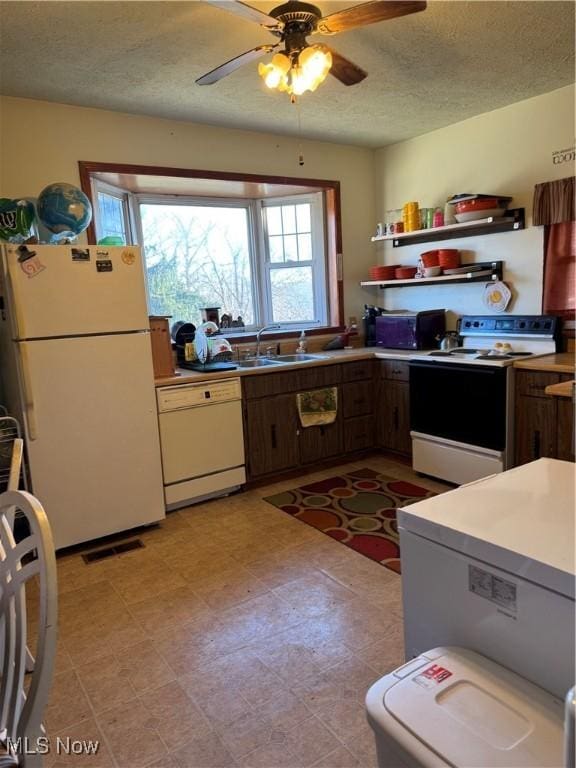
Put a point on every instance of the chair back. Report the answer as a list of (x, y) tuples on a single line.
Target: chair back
[(20, 561)]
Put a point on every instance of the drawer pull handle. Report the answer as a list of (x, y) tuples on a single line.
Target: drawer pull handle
[(273, 435), (537, 444)]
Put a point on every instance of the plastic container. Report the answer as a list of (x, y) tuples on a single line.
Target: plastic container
[(438, 218), (454, 707)]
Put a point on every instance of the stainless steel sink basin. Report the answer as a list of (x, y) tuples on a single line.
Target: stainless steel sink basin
[(256, 362), (298, 358)]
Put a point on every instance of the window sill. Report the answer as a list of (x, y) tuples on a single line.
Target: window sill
[(242, 337)]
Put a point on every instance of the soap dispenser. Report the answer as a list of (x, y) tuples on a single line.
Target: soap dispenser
[(301, 348)]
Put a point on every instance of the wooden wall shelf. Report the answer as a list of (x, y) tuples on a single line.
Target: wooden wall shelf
[(514, 220), (490, 270)]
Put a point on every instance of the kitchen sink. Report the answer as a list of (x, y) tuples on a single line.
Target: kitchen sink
[(298, 358), (256, 362)]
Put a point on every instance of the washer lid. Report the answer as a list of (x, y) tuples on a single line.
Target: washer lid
[(473, 712)]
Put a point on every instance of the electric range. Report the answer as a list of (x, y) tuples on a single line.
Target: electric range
[(461, 400)]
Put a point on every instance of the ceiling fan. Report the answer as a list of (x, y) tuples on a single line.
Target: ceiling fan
[(301, 66)]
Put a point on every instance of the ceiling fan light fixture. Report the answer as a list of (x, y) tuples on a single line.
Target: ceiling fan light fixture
[(303, 72), (275, 74)]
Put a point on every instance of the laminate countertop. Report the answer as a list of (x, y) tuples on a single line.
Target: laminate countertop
[(564, 389), (332, 357), (561, 362)]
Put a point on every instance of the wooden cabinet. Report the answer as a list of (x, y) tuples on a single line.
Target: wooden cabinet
[(320, 443), (275, 439), (544, 424), (565, 441), (271, 430), (357, 405), (393, 407), (162, 358)]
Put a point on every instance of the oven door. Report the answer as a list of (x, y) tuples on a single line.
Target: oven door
[(464, 403)]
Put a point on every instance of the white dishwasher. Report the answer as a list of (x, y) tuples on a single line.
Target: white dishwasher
[(202, 440)]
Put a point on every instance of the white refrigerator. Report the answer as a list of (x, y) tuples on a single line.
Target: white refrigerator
[(76, 366)]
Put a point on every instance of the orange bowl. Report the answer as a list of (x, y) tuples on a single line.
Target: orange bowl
[(430, 258), (449, 258), (482, 204), (405, 273)]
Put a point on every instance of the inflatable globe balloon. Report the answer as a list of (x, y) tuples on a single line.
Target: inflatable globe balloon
[(16, 220), (64, 210)]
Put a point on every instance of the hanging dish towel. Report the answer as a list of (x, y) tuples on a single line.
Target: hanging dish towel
[(317, 407)]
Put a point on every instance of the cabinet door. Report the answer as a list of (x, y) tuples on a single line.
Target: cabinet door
[(321, 442), (271, 435), (357, 398), (535, 428), (394, 416), (358, 434), (565, 414)]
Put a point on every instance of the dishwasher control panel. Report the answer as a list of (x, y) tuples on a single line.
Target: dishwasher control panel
[(200, 394)]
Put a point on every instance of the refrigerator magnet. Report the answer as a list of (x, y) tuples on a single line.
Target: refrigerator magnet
[(104, 265), (80, 254), (128, 257), (32, 266)]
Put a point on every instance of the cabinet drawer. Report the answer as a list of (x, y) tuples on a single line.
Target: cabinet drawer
[(535, 382), (358, 434), (357, 371), (264, 385), (394, 369), (319, 376), (357, 398)]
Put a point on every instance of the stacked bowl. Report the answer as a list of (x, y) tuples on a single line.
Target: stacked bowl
[(479, 208), (379, 272), (435, 261)]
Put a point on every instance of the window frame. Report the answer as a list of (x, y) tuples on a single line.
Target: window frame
[(204, 202), (125, 198), (317, 262), (136, 178)]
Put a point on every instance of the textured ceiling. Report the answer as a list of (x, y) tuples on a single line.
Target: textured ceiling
[(431, 69)]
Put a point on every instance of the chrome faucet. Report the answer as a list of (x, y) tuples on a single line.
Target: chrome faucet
[(259, 333)]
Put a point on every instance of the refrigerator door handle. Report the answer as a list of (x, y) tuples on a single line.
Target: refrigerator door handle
[(28, 394)]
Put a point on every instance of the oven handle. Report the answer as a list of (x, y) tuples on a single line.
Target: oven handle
[(433, 366)]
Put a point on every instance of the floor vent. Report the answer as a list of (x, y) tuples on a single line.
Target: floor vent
[(117, 549)]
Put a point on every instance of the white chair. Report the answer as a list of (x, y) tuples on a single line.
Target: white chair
[(32, 556)]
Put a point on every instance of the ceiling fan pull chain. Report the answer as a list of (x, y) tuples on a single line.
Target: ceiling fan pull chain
[(300, 151)]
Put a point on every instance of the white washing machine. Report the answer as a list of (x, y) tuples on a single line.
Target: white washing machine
[(452, 707), (490, 567)]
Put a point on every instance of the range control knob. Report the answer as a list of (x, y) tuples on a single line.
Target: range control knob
[(476, 323), (522, 324)]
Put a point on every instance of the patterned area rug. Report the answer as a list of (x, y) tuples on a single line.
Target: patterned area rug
[(358, 509)]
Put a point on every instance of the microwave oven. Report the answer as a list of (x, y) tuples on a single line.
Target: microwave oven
[(410, 330)]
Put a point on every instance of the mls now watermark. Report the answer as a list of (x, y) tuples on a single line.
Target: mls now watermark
[(43, 746)]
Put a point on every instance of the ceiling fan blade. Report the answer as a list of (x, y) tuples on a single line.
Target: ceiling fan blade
[(246, 11), (368, 13), (230, 66), (345, 70)]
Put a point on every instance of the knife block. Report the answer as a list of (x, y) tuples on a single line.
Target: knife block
[(162, 358)]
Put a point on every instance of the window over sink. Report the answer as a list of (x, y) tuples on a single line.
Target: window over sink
[(268, 259)]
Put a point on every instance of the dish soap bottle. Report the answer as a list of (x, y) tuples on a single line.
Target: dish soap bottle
[(301, 348)]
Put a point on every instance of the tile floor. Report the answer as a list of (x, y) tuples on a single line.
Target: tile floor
[(237, 637)]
